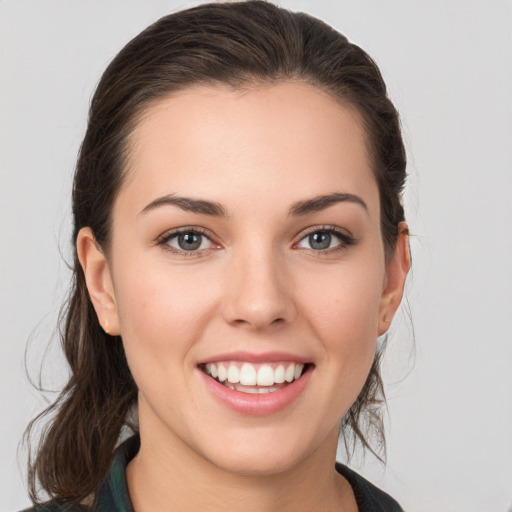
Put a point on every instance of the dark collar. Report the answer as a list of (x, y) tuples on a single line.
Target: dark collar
[(369, 498), (113, 494)]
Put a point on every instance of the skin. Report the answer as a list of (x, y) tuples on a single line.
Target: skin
[(255, 285)]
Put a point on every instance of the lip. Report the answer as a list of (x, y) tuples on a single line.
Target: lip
[(250, 357), (256, 404)]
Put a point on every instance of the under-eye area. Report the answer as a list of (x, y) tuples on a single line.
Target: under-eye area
[(255, 378)]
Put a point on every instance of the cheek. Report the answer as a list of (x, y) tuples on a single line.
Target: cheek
[(156, 301), (342, 308), (344, 298), (161, 315)]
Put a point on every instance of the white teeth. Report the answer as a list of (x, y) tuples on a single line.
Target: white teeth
[(252, 391), (290, 373), (265, 376), (279, 374), (248, 375), (233, 374), (222, 374), (267, 390)]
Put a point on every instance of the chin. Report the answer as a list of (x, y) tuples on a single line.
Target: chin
[(260, 464), (263, 453)]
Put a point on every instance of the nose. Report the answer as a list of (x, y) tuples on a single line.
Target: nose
[(259, 291)]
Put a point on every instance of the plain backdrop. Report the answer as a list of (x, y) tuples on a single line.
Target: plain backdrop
[(448, 65)]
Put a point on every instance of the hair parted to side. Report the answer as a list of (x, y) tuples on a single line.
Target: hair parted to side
[(231, 44)]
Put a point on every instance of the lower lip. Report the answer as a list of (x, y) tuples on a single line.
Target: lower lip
[(257, 404)]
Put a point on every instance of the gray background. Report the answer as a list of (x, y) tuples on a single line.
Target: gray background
[(448, 65)]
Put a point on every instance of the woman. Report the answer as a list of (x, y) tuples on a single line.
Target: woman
[(240, 247)]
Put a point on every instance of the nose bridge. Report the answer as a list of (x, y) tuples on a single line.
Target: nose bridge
[(258, 293)]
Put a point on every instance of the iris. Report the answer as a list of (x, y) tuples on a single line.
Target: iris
[(320, 240)]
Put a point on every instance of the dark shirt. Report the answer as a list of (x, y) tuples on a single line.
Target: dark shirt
[(113, 493)]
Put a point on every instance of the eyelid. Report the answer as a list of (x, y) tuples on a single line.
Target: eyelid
[(162, 239), (344, 235)]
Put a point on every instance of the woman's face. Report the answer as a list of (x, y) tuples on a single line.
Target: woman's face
[(246, 247)]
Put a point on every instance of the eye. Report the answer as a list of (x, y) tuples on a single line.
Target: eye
[(186, 240), (325, 239)]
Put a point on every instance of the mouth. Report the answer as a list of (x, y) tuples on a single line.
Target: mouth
[(252, 378), (256, 384)]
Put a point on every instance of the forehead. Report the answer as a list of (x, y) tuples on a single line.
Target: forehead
[(215, 141)]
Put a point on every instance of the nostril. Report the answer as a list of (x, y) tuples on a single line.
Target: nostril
[(258, 324)]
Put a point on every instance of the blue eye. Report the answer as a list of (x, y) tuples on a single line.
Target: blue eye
[(324, 239), (320, 240), (188, 241)]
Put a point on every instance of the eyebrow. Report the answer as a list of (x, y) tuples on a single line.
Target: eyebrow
[(215, 209), (319, 203), (188, 204)]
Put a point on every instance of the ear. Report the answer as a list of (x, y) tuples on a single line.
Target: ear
[(396, 271), (98, 280)]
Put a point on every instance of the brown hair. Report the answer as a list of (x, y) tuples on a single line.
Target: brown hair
[(231, 44)]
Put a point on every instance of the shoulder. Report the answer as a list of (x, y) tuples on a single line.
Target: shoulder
[(369, 497)]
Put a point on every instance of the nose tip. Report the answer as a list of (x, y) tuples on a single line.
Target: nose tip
[(259, 296), (252, 315)]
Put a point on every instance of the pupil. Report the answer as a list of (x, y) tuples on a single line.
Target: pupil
[(320, 240), (189, 241)]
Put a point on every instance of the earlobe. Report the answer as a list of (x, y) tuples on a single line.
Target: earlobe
[(98, 280), (397, 269)]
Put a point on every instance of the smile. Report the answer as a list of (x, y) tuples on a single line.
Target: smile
[(256, 384), (253, 378)]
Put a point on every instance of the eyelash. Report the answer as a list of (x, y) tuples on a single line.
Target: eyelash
[(345, 239), (163, 240)]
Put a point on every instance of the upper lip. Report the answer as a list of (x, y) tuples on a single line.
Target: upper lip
[(251, 357)]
